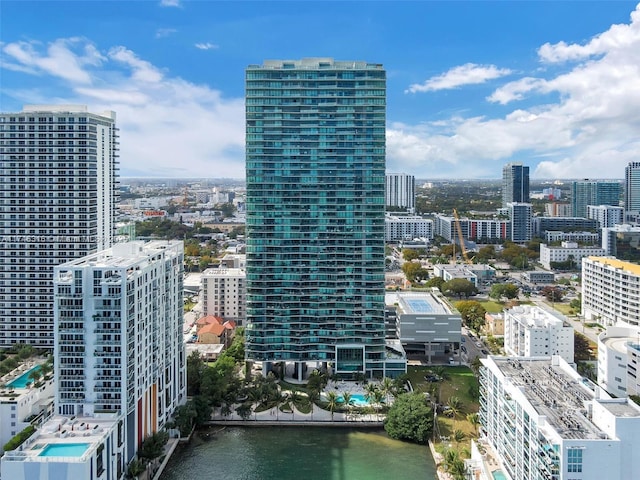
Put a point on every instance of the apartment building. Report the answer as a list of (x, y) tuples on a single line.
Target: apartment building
[(406, 227), (567, 251), (223, 293)]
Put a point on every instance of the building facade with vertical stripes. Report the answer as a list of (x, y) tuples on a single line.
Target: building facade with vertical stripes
[(118, 336), (400, 190)]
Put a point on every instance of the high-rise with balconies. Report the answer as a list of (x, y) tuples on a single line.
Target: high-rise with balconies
[(515, 184), (118, 336), (58, 169), (315, 152)]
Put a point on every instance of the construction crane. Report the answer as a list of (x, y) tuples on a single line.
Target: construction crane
[(463, 249)]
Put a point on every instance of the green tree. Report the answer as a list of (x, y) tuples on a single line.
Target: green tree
[(409, 418), (472, 313), (581, 347), (332, 402), (455, 407), (474, 419), (506, 290), (576, 305), (414, 271), (410, 254), (459, 287), (153, 446), (486, 253), (458, 436), (435, 282), (183, 417), (195, 370)]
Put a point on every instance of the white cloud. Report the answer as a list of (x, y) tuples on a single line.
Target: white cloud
[(467, 74), (590, 128), (516, 90), (165, 32), (169, 127), (206, 46), (60, 59), (170, 3)]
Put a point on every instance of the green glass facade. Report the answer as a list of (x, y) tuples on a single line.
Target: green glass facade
[(315, 151)]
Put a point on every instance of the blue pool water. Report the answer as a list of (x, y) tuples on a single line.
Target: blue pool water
[(419, 305), (357, 400), (498, 475), (23, 379), (64, 450)]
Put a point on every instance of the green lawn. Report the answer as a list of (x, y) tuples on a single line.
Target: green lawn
[(492, 307)]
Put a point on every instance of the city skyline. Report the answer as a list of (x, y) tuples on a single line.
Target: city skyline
[(472, 85)]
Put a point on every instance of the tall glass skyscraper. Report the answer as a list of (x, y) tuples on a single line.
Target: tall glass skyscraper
[(515, 184), (315, 151), (590, 192)]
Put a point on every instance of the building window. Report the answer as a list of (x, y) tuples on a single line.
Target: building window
[(574, 460)]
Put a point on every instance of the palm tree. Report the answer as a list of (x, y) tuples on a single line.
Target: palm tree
[(347, 400), (474, 419), (455, 407), (458, 436), (314, 396), (377, 398), (386, 386), (332, 402), (35, 375), (370, 390)]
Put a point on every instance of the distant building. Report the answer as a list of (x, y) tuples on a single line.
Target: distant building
[(585, 238), (515, 184), (480, 230), (565, 252), (537, 276), (632, 191), (530, 331), (473, 272), (542, 420), (400, 191), (541, 225), (590, 192), (224, 293), (494, 324), (556, 209), (406, 227), (606, 215), (622, 242), (520, 218), (611, 291)]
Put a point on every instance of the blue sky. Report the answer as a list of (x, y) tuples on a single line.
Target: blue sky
[(470, 87)]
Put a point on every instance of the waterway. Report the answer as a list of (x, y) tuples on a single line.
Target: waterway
[(298, 453)]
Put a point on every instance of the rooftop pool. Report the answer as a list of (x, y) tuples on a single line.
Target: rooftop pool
[(22, 380), (64, 450)]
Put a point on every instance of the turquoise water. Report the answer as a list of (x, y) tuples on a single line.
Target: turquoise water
[(358, 400), (498, 475), (299, 453), (64, 450), (22, 380)]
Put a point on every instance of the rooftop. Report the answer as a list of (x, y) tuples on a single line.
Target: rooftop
[(553, 393), (65, 431), (417, 303), (619, 264)]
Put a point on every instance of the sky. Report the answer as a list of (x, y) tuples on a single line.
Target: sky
[(471, 85)]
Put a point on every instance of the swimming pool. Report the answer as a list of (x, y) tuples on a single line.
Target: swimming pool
[(22, 380), (64, 450), (357, 400), (498, 475)]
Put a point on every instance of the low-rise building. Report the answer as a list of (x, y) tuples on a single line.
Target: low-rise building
[(585, 238), (538, 276), (542, 420), (568, 251), (70, 448), (427, 323), (473, 272), (22, 403), (530, 331), (494, 324), (406, 227)]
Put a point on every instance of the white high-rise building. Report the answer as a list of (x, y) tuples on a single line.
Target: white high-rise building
[(606, 215), (541, 420), (118, 336), (406, 227), (632, 191), (400, 190), (58, 169), (223, 293), (530, 331)]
